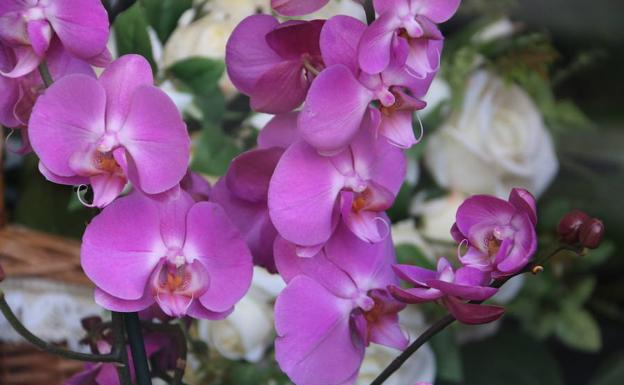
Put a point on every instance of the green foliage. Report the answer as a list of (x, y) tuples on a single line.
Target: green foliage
[(577, 328), (410, 254), (611, 372), (448, 356), (213, 151), (163, 15), (509, 358), (201, 77), (131, 34)]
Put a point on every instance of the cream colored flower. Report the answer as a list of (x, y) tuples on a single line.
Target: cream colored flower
[(497, 141), (437, 215), (248, 331)]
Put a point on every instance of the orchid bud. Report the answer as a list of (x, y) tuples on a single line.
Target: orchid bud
[(570, 225), (591, 233)]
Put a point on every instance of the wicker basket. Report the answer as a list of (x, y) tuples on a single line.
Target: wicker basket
[(27, 253)]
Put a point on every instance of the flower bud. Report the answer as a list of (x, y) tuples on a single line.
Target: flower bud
[(570, 225), (2, 274), (591, 233)]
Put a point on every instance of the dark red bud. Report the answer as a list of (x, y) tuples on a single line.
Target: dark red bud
[(570, 225), (591, 233), (90, 323)]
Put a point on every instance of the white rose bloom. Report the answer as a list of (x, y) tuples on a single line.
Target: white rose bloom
[(405, 233), (248, 331), (497, 141), (437, 215), (439, 92)]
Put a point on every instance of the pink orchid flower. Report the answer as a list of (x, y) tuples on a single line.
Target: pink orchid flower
[(18, 95), (243, 191), (30, 26), (297, 7), (274, 63), (185, 256), (406, 25), (334, 305), (452, 288), (500, 234), (309, 193), (342, 94), (107, 131)]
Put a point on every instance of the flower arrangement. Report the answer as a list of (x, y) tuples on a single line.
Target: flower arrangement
[(294, 244)]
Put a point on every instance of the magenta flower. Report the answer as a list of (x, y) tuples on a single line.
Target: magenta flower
[(451, 288), (185, 256), (18, 95), (274, 63), (406, 25), (500, 235), (29, 26), (105, 132), (335, 304), (297, 7), (243, 191), (309, 192), (341, 95)]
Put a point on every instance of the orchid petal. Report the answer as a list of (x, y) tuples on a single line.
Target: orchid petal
[(524, 201), (297, 7), (473, 314), (250, 173), (281, 131), (376, 43), (339, 41)]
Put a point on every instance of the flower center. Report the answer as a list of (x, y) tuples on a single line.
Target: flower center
[(493, 246), (361, 200), (105, 161)]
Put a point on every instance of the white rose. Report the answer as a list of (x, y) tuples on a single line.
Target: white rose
[(437, 215), (497, 141), (405, 233), (248, 331)]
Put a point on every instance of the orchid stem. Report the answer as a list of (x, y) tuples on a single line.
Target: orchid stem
[(48, 347), (119, 346), (369, 10), (137, 348), (447, 320), (44, 71)]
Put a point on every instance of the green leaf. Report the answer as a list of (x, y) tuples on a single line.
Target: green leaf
[(410, 254), (131, 34), (201, 76), (213, 152), (611, 372), (448, 357), (510, 358), (163, 15), (578, 329)]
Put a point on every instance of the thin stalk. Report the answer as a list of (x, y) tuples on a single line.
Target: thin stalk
[(369, 10), (119, 347), (447, 320), (137, 348), (48, 347), (44, 71)]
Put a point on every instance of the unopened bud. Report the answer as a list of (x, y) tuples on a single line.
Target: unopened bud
[(90, 323), (570, 225), (591, 233)]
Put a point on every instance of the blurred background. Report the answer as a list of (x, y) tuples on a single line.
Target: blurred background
[(530, 94)]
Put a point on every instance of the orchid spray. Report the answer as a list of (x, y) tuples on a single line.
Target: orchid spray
[(308, 203)]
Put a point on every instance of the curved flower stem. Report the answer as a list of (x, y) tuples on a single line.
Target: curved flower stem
[(48, 347), (369, 10), (119, 347), (447, 320), (137, 348), (44, 71)]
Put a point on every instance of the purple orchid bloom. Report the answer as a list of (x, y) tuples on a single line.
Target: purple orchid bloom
[(274, 63), (30, 26), (409, 26), (334, 305), (452, 288), (185, 256), (309, 192), (297, 7), (500, 234), (105, 132), (342, 94), (18, 95), (243, 191)]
